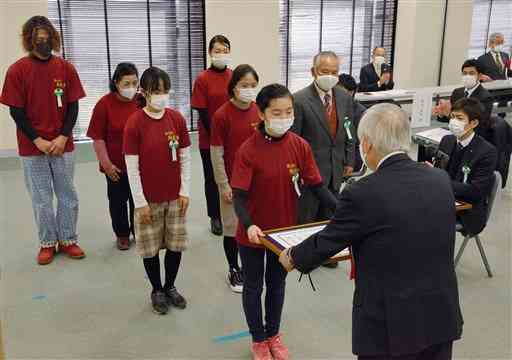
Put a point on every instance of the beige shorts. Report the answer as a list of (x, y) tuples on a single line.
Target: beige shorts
[(167, 231), (228, 217)]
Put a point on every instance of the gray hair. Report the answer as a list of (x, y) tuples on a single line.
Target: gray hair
[(387, 128), (322, 54), (494, 36)]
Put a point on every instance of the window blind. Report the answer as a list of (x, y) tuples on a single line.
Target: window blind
[(490, 16), (99, 34), (351, 28)]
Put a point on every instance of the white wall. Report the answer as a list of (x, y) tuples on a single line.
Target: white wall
[(13, 13), (252, 26)]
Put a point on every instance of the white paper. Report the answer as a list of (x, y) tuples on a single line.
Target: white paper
[(290, 238), (422, 108), (434, 135)]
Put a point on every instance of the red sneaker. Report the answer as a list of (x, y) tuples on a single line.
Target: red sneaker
[(46, 255), (261, 351), (73, 251), (277, 348)]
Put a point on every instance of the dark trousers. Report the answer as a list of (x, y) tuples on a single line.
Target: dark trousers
[(119, 197), (435, 352), (254, 270), (210, 187)]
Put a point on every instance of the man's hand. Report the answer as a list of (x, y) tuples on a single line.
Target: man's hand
[(385, 78), (286, 260), (144, 215), (444, 108), (43, 145), (254, 233), (485, 78), (112, 172), (183, 202), (58, 145), (429, 164), (348, 170)]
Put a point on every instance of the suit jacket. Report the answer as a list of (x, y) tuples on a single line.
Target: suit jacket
[(400, 222), (368, 79), (480, 93), (481, 158), (311, 123), (490, 68)]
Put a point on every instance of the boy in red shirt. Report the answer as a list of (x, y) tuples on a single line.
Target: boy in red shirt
[(232, 125), (209, 94), (269, 171), (42, 92), (158, 160)]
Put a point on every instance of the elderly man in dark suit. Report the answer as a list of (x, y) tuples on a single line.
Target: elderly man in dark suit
[(495, 63), (376, 76), (323, 117), (400, 223)]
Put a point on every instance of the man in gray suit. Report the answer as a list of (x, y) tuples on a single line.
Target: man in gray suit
[(324, 118)]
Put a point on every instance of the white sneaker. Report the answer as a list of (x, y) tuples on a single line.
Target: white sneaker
[(235, 281)]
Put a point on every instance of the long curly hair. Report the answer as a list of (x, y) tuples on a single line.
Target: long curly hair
[(30, 29)]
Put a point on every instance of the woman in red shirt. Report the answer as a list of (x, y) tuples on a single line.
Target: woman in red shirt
[(232, 125), (106, 128), (269, 170), (209, 94), (158, 161)]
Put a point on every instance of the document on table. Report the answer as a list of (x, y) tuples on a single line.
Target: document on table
[(422, 108), (289, 238), (434, 135)]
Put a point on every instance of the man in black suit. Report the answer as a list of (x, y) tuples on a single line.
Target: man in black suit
[(376, 76), (471, 165), (495, 63), (400, 223)]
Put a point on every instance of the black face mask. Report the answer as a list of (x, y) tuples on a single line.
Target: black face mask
[(44, 49)]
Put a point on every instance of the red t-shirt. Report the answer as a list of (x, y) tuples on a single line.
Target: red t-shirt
[(31, 84), (108, 120), (149, 138), (231, 127), (210, 92), (264, 169)]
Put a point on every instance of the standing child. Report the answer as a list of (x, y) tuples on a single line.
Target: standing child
[(157, 153)]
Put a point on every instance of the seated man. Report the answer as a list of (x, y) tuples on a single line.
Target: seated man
[(348, 83), (472, 88), (376, 76), (472, 163)]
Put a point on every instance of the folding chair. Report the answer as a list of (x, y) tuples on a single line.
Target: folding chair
[(492, 197)]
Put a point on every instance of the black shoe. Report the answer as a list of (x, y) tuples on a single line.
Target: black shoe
[(235, 281), (159, 302), (216, 227), (175, 299), (330, 265)]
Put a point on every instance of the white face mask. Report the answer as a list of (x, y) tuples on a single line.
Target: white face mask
[(128, 93), (326, 82), (379, 60), (220, 61), (247, 95), (159, 102), (457, 127), (498, 48), (469, 81), (279, 127)]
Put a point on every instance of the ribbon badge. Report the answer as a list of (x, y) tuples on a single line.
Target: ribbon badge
[(174, 143), (466, 170), (295, 175), (347, 124), (59, 91)]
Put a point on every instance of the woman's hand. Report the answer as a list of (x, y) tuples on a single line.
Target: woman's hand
[(254, 234)]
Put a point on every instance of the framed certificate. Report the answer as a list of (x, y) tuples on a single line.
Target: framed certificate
[(278, 240)]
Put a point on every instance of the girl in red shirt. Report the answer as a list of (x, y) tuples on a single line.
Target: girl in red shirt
[(232, 125), (106, 128), (270, 169), (209, 94), (157, 155)]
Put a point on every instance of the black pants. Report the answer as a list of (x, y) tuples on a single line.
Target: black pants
[(435, 352), (254, 271), (210, 187), (119, 197)]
